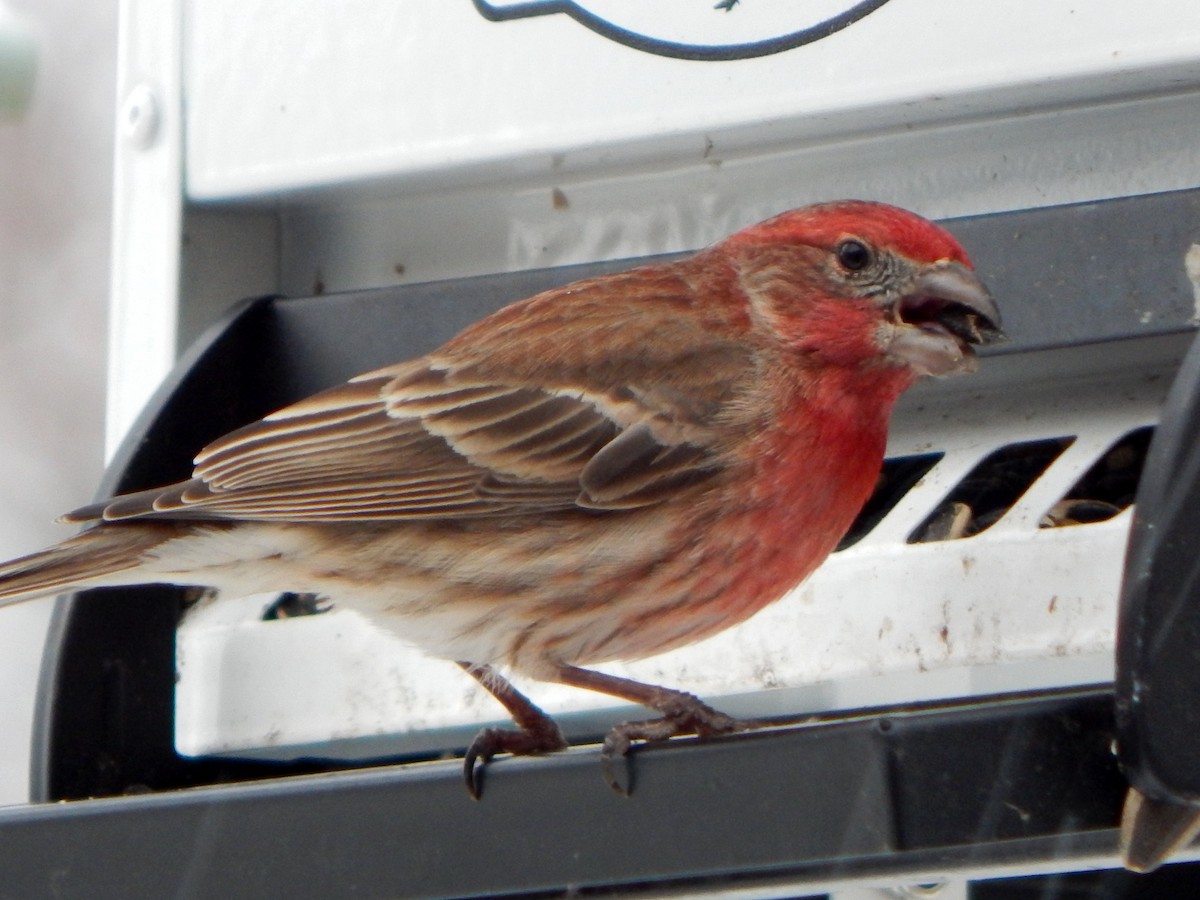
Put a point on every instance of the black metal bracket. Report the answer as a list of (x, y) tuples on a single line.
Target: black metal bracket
[(991, 785)]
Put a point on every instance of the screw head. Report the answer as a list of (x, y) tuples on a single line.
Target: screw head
[(140, 118)]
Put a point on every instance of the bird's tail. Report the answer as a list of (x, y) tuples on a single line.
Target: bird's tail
[(93, 558)]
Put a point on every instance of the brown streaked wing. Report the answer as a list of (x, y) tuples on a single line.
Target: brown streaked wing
[(637, 470), (476, 429), (424, 448)]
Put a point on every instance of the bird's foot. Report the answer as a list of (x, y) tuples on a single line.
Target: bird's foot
[(682, 714), (536, 732), (540, 735)]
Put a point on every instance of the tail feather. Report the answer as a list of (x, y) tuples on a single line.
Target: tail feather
[(94, 558)]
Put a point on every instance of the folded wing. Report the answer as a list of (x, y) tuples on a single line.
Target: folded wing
[(444, 436)]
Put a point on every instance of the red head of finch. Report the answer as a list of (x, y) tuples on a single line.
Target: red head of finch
[(604, 471)]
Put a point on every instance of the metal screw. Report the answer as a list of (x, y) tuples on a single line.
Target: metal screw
[(140, 118)]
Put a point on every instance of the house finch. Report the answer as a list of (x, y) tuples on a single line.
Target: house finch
[(604, 471)]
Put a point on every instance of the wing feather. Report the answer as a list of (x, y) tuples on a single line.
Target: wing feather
[(448, 435)]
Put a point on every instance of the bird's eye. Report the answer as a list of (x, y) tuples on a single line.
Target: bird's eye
[(854, 255)]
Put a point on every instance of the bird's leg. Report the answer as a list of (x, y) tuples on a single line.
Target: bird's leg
[(682, 713), (538, 732)]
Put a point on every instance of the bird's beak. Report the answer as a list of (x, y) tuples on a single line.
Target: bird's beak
[(944, 313)]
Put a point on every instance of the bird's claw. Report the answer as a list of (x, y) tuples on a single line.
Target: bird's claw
[(683, 714), (543, 736)]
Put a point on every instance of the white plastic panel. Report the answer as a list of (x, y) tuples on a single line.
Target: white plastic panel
[(285, 95), (147, 210), (1014, 607), (352, 239)]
